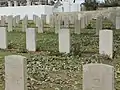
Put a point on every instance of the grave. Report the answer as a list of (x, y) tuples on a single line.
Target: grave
[(98, 24), (118, 22), (64, 40), (24, 23), (3, 38), (106, 42), (15, 72), (31, 39), (10, 23), (98, 77)]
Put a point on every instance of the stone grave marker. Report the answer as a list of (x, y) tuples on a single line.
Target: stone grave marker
[(77, 24), (82, 22), (14, 21), (98, 77), (52, 22), (17, 19), (106, 42), (57, 24), (24, 23), (2, 21), (98, 24), (64, 40), (47, 19), (40, 25), (3, 38), (10, 23), (31, 39), (15, 72), (43, 17), (118, 22)]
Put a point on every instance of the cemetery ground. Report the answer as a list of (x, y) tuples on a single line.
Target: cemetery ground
[(50, 70)]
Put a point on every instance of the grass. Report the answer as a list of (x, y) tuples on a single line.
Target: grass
[(50, 70)]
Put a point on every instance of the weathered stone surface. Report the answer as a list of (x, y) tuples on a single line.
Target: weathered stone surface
[(77, 25), (24, 23), (31, 39), (57, 24), (3, 38), (2, 21), (98, 77), (98, 24), (64, 40), (10, 23), (15, 73), (118, 22), (106, 42), (40, 25)]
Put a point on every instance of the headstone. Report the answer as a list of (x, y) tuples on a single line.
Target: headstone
[(106, 42), (3, 38), (34, 18), (47, 19), (15, 72), (43, 17), (77, 24), (85, 20), (24, 23), (40, 25), (9, 4), (6, 19), (118, 22), (2, 21), (82, 22), (28, 2), (17, 19), (15, 3), (64, 41), (52, 22), (31, 39), (37, 18), (14, 21), (98, 77), (57, 24), (10, 23), (113, 18), (98, 24)]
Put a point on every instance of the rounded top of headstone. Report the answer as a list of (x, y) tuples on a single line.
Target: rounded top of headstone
[(106, 30), (15, 57), (97, 65)]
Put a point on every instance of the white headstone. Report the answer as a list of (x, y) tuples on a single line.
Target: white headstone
[(98, 77), (24, 23), (57, 24), (40, 25), (106, 42), (3, 38), (82, 22), (2, 21), (9, 4), (77, 24), (31, 39), (15, 73), (118, 22), (10, 23), (98, 24), (28, 2), (15, 3), (64, 40)]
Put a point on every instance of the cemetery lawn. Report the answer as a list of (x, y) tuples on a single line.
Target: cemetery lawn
[(50, 70)]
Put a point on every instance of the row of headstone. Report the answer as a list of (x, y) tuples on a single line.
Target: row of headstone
[(105, 40), (80, 21), (95, 76)]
